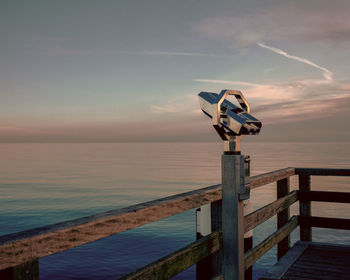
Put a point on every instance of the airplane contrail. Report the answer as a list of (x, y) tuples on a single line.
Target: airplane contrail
[(328, 75)]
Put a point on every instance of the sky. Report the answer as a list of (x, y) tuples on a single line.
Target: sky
[(124, 71)]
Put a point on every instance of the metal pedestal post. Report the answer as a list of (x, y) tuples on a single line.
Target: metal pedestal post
[(248, 236), (228, 215), (233, 216)]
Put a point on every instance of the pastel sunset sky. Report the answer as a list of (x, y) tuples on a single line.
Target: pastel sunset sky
[(111, 71)]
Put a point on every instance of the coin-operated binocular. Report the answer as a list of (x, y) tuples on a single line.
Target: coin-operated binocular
[(229, 120)]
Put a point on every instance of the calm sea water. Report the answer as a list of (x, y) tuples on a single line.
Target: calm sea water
[(42, 184)]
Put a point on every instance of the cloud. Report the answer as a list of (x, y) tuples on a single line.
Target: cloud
[(293, 101), (57, 46), (223, 82), (297, 21), (296, 100), (303, 109), (15, 129), (290, 102), (14, 133), (170, 53), (60, 46)]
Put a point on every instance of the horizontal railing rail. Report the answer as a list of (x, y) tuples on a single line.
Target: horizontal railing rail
[(325, 222), (266, 212), (40, 242), (323, 171), (19, 248), (324, 196), (210, 243), (180, 260), (270, 177), (258, 251)]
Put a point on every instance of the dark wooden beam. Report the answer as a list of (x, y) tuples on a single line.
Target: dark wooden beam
[(340, 197), (323, 222), (323, 171), (25, 271), (283, 187), (305, 206)]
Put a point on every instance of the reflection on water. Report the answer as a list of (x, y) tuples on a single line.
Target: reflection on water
[(42, 184)]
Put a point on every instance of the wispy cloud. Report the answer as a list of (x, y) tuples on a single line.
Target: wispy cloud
[(170, 53), (60, 46), (328, 75), (20, 130), (15, 129), (295, 100), (289, 102), (187, 104), (286, 20)]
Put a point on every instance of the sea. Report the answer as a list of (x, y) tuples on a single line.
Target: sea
[(46, 183)]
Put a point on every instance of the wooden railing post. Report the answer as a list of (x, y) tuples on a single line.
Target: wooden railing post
[(232, 217), (25, 271), (305, 207), (210, 266), (216, 225), (283, 188)]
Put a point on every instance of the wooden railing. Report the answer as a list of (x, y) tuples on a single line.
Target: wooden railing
[(20, 249), (305, 195)]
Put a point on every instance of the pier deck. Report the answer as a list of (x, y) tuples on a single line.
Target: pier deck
[(311, 260)]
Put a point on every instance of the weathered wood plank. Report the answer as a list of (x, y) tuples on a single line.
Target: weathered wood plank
[(314, 274), (326, 260), (254, 254), (270, 177), (321, 261), (263, 214), (36, 243), (305, 207), (281, 267), (323, 222), (323, 171), (325, 246), (283, 187), (339, 197), (178, 261), (316, 261)]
